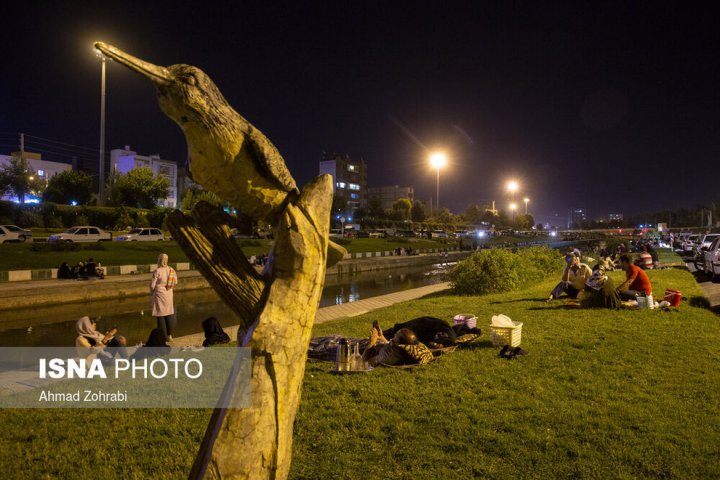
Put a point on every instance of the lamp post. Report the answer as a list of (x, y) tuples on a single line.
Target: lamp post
[(101, 170), (513, 207), (438, 160), (526, 200)]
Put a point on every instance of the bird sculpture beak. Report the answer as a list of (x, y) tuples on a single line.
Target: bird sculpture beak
[(158, 75)]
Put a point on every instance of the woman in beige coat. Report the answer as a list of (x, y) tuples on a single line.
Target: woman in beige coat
[(163, 281)]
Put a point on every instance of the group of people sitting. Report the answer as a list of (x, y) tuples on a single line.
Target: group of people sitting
[(596, 287), (91, 343), (81, 271)]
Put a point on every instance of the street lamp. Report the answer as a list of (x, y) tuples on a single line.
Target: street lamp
[(101, 170), (512, 187), (438, 160), (513, 207), (526, 200)]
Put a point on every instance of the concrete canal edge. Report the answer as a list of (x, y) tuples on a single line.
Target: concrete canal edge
[(39, 293)]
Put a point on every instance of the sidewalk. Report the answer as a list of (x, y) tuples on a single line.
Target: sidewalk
[(334, 312)]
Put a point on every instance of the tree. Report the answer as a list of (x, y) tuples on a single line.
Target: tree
[(403, 206), (375, 208), (19, 178), (339, 205), (417, 214), (68, 187), (540, 227), (445, 216), (137, 188), (474, 213), (195, 195), (525, 221)]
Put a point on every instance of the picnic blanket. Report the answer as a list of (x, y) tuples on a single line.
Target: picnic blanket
[(325, 348)]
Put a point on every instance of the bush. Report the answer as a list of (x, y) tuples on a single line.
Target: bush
[(55, 247), (500, 270), (29, 219), (124, 221), (141, 220), (52, 222)]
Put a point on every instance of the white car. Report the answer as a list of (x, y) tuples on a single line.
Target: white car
[(707, 240), (142, 235), (81, 234), (13, 233), (711, 259)]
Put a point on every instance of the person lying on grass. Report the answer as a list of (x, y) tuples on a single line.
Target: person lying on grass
[(393, 352), (433, 332)]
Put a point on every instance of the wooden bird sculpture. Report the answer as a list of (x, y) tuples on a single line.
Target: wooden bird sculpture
[(276, 310)]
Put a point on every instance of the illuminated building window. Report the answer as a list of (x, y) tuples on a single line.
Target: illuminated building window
[(353, 186), (341, 185)]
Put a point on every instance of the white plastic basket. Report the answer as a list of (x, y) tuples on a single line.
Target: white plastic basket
[(506, 335)]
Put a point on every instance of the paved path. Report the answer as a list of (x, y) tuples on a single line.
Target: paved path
[(334, 312), (710, 290)]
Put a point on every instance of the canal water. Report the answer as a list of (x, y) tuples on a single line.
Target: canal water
[(55, 326)]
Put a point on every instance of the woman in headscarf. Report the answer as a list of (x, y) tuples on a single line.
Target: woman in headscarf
[(163, 281), (91, 342), (156, 346), (214, 332)]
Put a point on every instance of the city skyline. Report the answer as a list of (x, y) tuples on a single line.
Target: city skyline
[(598, 106)]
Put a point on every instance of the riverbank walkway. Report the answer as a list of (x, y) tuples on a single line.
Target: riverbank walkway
[(335, 312)]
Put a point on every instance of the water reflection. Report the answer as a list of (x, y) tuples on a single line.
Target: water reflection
[(55, 326)]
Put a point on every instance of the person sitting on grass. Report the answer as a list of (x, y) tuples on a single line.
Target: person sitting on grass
[(600, 291), (574, 278), (156, 346), (64, 272), (92, 344), (636, 282), (382, 351), (646, 260)]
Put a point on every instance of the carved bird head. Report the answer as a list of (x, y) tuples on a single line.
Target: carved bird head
[(185, 93)]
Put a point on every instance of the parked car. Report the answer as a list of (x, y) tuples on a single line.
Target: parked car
[(711, 259), (142, 235), (81, 234), (377, 234), (407, 233), (707, 240), (438, 234), (13, 233), (690, 243)]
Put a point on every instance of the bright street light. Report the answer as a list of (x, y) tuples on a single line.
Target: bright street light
[(526, 200), (512, 186), (513, 207), (438, 160)]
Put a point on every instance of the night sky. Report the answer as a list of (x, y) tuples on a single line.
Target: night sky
[(612, 106)]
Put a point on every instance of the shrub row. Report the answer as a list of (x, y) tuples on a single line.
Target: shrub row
[(51, 215), (502, 270)]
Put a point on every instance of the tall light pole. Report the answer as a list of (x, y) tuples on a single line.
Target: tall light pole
[(513, 207), (438, 160), (101, 170), (526, 200)]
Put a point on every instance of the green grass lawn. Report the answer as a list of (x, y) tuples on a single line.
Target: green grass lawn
[(20, 256), (602, 394)]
